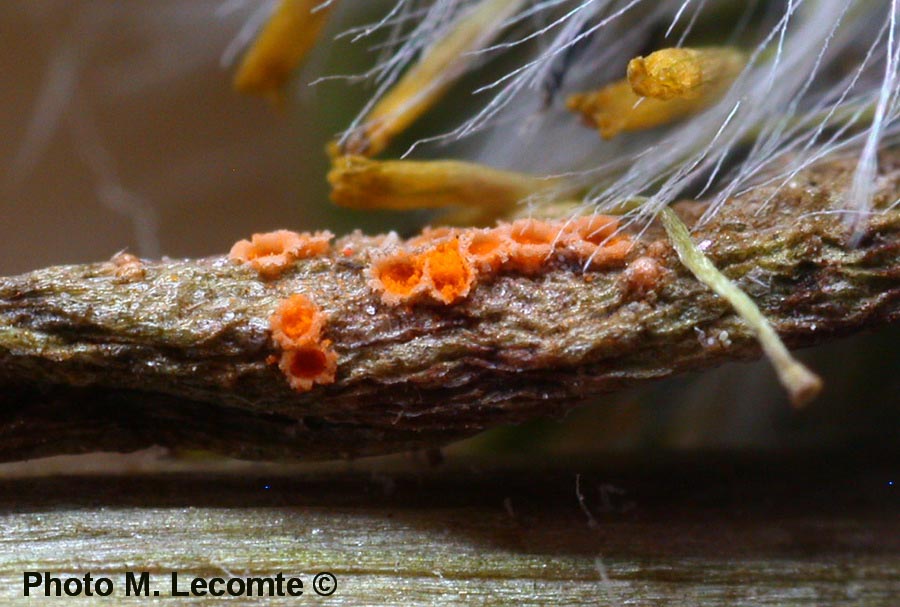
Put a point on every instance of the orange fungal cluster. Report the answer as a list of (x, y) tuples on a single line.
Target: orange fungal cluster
[(448, 271), (306, 359), (593, 240), (270, 253), (398, 276), (443, 264)]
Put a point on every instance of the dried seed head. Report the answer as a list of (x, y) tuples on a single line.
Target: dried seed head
[(666, 86), (439, 66), (361, 183), (616, 108)]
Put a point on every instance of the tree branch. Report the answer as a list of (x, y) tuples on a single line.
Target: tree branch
[(175, 352)]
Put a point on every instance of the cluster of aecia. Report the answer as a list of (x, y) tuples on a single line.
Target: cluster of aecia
[(306, 358), (443, 265)]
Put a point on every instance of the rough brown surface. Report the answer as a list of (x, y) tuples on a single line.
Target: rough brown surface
[(714, 531), (91, 359)]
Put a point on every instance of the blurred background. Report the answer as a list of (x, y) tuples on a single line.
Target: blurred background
[(119, 129)]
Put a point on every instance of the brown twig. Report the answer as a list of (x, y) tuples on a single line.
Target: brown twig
[(92, 358)]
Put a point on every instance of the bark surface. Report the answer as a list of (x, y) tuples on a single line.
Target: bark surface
[(176, 354)]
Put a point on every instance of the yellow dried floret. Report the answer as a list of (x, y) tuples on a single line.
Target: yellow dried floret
[(427, 81), (662, 88), (361, 183), (287, 37)]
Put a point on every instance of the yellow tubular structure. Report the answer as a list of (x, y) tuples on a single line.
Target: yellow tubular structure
[(666, 86), (287, 37), (685, 73), (362, 183), (427, 81)]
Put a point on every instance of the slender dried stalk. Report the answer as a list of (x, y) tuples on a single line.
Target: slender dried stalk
[(176, 354), (802, 384)]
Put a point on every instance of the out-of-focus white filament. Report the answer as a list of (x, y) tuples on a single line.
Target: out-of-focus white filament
[(823, 77), (797, 70)]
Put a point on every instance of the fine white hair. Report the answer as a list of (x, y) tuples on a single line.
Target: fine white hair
[(822, 77)]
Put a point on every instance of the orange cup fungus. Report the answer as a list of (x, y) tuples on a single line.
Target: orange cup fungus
[(270, 253), (309, 365), (486, 248), (444, 264), (531, 243), (448, 272), (306, 358), (610, 254), (398, 276), (594, 241), (430, 235), (594, 228), (296, 322), (441, 272)]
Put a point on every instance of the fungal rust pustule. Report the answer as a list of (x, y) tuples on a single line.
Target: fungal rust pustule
[(309, 365), (643, 275), (271, 253), (397, 276), (306, 359), (443, 265), (296, 322), (448, 272), (594, 241), (126, 267), (530, 242), (486, 248)]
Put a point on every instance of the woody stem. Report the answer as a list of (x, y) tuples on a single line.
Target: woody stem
[(179, 357)]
